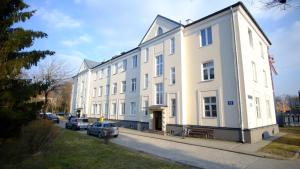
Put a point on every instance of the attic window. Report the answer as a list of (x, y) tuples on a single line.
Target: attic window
[(159, 31)]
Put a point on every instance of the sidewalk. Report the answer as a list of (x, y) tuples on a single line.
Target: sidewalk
[(246, 148)]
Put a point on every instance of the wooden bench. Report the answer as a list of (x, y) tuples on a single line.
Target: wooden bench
[(201, 132)]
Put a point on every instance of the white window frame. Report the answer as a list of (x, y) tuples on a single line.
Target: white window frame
[(265, 78), (257, 107), (205, 33), (146, 80), (123, 86), (134, 61), (133, 84), (115, 88), (261, 50), (250, 37), (210, 103), (146, 107), (173, 107), (159, 95), (172, 45), (172, 75), (209, 68), (132, 108), (159, 65), (106, 108), (254, 72), (99, 108), (113, 109), (146, 58), (100, 91), (122, 108)]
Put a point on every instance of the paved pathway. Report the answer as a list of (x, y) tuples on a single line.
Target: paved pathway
[(198, 155)]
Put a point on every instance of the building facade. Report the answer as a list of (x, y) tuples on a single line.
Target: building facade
[(213, 73)]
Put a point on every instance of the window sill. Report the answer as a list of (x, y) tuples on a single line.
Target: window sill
[(209, 117), (200, 47), (172, 84), (205, 81), (157, 76)]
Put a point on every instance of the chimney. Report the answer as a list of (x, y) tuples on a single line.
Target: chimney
[(188, 21)]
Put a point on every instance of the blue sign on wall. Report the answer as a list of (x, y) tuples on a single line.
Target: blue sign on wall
[(230, 102)]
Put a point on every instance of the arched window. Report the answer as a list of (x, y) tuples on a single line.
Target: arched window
[(159, 31)]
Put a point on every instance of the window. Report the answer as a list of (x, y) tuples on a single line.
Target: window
[(101, 73), (159, 31), (173, 107), (268, 108), (159, 93), (254, 75), (100, 91), (106, 108), (159, 65), (250, 37), (122, 108), (146, 105), (265, 78), (208, 70), (107, 90), (146, 55), (94, 109), (124, 65), (132, 108), (172, 75), (114, 88), (94, 92), (257, 107), (115, 69), (113, 109), (99, 109), (134, 61), (172, 45), (210, 106), (123, 86), (146, 81), (108, 71), (261, 50), (133, 84), (206, 37)]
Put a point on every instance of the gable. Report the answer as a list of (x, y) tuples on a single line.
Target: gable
[(162, 22), (82, 67)]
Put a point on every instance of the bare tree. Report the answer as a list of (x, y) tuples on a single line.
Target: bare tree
[(53, 75), (280, 4)]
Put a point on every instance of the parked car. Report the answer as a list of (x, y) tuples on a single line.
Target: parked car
[(77, 123), (61, 113), (53, 118), (100, 129)]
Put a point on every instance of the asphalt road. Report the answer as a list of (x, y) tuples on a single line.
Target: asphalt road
[(198, 156)]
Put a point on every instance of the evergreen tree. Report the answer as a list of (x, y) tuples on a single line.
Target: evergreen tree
[(16, 92)]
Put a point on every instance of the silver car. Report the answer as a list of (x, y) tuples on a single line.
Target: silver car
[(101, 129)]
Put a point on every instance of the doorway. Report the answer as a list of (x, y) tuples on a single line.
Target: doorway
[(157, 120)]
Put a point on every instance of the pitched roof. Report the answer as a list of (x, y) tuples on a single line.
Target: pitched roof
[(90, 64), (159, 16)]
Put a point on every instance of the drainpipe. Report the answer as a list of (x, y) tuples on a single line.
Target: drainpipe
[(242, 134)]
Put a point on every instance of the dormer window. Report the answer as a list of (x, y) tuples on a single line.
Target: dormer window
[(159, 31)]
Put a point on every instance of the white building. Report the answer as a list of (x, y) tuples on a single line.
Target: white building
[(212, 74)]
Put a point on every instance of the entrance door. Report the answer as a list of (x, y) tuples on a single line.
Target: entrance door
[(158, 120)]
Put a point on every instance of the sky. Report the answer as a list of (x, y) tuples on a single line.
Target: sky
[(100, 29)]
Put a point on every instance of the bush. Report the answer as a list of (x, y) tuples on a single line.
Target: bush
[(37, 135)]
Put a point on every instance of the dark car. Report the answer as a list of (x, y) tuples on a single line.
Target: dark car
[(61, 113), (53, 118), (77, 123), (100, 129)]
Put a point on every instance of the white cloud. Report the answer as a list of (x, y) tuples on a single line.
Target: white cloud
[(80, 40), (58, 19)]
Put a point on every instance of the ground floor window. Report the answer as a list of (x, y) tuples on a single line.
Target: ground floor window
[(210, 106), (146, 107), (122, 108), (173, 107), (132, 108)]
